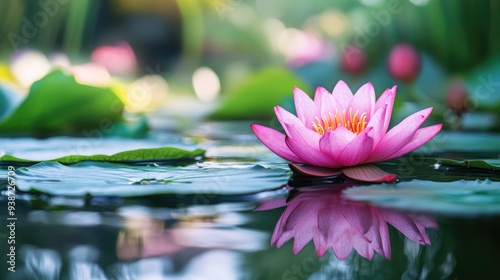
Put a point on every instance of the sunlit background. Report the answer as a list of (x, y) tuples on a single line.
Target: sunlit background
[(234, 59)]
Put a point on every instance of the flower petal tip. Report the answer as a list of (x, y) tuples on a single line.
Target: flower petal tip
[(297, 90), (389, 178), (258, 129), (255, 127)]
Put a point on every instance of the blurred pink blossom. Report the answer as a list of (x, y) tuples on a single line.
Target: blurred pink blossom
[(457, 97), (404, 63), (305, 47), (353, 60), (118, 59)]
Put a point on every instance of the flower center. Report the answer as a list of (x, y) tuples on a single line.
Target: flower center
[(354, 123)]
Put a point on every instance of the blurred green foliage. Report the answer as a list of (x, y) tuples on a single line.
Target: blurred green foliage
[(59, 104), (257, 96), (48, 25), (238, 38), (457, 34), (483, 85)]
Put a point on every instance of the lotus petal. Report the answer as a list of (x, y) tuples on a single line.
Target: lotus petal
[(368, 173)]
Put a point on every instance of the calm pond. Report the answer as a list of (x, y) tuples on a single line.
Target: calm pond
[(224, 216)]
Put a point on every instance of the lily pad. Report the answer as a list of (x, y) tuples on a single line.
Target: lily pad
[(111, 179), (257, 96), (481, 164), (459, 197), (57, 103), (152, 154)]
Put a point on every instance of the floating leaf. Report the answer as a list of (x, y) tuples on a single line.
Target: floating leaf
[(481, 164), (256, 97), (458, 197), (58, 104), (153, 154), (111, 179)]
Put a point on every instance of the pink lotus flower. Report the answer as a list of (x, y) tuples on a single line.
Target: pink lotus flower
[(321, 215), (340, 130)]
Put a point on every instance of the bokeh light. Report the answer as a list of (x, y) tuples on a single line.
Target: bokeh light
[(206, 84)]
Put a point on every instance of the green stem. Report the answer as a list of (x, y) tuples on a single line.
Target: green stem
[(192, 28), (78, 11)]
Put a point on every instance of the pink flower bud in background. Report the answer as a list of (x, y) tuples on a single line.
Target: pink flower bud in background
[(457, 97), (353, 60), (118, 59), (404, 63)]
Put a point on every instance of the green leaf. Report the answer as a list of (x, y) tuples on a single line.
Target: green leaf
[(481, 164), (58, 104), (120, 180), (154, 154), (257, 96)]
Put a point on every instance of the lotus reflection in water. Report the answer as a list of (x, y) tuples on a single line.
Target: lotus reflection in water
[(321, 214)]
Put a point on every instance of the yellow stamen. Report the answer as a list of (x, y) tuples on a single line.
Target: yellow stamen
[(355, 123)]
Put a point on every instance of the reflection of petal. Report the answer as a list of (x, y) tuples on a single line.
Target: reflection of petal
[(340, 238), (379, 234), (322, 215), (358, 217), (407, 225), (302, 225), (362, 246)]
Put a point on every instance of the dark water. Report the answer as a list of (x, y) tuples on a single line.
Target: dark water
[(449, 232), (229, 241)]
